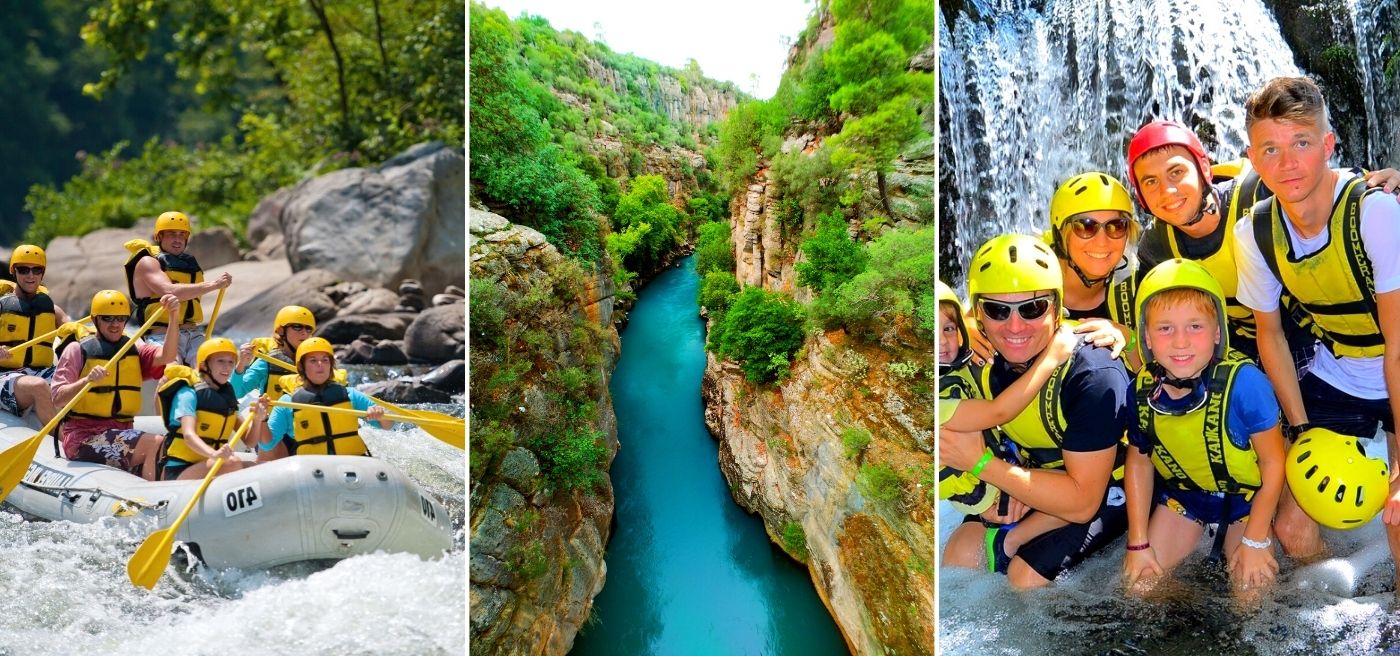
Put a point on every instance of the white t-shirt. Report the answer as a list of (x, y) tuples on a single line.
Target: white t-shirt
[(1260, 290)]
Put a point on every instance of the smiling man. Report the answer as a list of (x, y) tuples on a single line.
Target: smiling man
[(168, 269), (1068, 441), (1326, 241), (26, 313)]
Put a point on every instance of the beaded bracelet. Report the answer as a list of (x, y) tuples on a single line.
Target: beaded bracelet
[(1139, 547), (1256, 544), (976, 470)]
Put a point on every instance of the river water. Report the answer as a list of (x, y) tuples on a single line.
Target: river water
[(64, 588), (689, 572)]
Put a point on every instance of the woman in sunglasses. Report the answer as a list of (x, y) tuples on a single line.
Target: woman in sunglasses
[(1208, 430), (292, 326), (26, 313), (1091, 224)]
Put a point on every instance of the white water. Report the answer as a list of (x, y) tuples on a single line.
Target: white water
[(1372, 23), (64, 589)]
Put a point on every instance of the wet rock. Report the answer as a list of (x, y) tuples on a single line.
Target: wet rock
[(410, 304), (343, 290), (455, 291), (405, 391), (410, 287), (371, 351), (520, 469), (438, 334), (450, 377), (343, 330)]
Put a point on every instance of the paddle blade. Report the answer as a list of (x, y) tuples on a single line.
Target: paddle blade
[(446, 428), (14, 462), (148, 563)]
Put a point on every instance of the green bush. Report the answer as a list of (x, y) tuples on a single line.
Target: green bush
[(833, 258), (795, 540), (647, 203), (897, 283), (880, 482), (854, 440), (717, 292), (761, 330), (713, 250), (571, 458)]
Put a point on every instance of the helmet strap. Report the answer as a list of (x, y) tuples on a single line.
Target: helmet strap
[(1163, 378), (1209, 205)]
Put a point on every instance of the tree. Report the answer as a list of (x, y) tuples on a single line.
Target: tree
[(897, 283), (832, 256), (713, 250), (648, 202), (761, 331)]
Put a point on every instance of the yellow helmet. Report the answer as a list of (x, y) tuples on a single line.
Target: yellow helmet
[(110, 303), (1086, 192), (947, 295), (28, 254), (1180, 274), (172, 221), (1013, 263), (1334, 481), (213, 346), (293, 314), (314, 345)]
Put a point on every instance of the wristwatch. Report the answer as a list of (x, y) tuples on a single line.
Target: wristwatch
[(1292, 432)]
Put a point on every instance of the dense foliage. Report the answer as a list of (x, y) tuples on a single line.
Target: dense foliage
[(761, 331), (833, 258), (713, 250), (299, 87)]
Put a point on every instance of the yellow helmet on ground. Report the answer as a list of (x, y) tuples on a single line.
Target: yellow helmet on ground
[(212, 346), (314, 345), (110, 303), (1334, 481), (28, 254), (1013, 263), (293, 314), (172, 221), (1180, 273)]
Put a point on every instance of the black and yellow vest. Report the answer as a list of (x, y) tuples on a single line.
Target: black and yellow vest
[(1221, 263), (216, 410), (1121, 297), (326, 433), (182, 268), (22, 320), (1335, 285), (1193, 451), (118, 396)]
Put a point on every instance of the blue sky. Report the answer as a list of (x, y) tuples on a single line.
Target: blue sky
[(730, 39)]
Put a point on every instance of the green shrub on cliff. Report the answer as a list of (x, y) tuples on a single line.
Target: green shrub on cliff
[(648, 202), (832, 256), (717, 291), (795, 540), (713, 250), (880, 482), (761, 330), (896, 286)]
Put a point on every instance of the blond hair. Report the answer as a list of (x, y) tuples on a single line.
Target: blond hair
[(1292, 99), (1193, 299)]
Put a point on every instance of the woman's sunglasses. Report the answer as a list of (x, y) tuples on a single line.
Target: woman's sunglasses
[(1029, 309), (1085, 227)]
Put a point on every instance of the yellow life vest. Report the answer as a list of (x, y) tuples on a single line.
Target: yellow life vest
[(22, 320), (181, 269), (290, 383), (1193, 451), (1121, 296), (1221, 263), (1336, 284), (322, 433), (118, 396), (216, 412)]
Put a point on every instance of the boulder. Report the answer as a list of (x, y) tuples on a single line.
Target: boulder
[(253, 317), (214, 247), (370, 301), (372, 351), (450, 377), (410, 304), (343, 330), (438, 334), (440, 300), (405, 391), (380, 225)]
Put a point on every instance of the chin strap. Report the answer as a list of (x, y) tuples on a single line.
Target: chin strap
[(964, 354), (1209, 205), (1163, 378)]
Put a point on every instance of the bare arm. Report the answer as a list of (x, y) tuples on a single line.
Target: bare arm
[(150, 276), (1138, 477), (192, 438), (1072, 495), (1268, 445), (171, 347), (60, 315), (1387, 305), (1277, 362), (981, 414)]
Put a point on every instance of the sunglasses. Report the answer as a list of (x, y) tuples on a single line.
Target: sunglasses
[(1085, 227), (113, 319), (300, 327), (1029, 309), (28, 270)]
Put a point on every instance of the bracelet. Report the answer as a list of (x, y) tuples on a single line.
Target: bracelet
[(1131, 344), (1256, 544), (976, 470), (1139, 547)]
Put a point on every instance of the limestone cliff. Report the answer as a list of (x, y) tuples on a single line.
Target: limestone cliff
[(536, 552), (783, 453)]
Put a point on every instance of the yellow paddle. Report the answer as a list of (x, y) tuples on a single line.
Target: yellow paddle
[(214, 316), (46, 336), (14, 461), (447, 428), (148, 563), (450, 430)]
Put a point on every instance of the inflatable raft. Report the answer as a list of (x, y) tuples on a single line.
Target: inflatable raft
[(292, 509)]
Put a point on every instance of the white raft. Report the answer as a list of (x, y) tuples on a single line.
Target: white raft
[(289, 510)]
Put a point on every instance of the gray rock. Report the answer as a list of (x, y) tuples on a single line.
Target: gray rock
[(399, 220), (440, 300), (455, 290), (438, 334), (343, 290), (266, 220), (410, 287), (450, 377), (412, 303), (385, 352), (343, 330), (214, 247), (405, 391), (254, 317), (369, 301), (520, 469)]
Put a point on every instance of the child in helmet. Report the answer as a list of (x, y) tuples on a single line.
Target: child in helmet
[(293, 432), (1208, 436), (202, 413), (292, 326)]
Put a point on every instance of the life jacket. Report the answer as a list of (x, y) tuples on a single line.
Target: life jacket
[(216, 410), (1038, 433), (181, 269), (118, 396), (1121, 296), (1336, 284), (326, 433), (290, 383), (275, 385), (22, 320), (1193, 451)]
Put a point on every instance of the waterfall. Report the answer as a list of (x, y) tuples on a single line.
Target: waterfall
[(1372, 23), (1031, 96)]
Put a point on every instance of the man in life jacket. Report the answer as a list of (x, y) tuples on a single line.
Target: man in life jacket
[(99, 428), (167, 269), (1329, 242), (301, 432), (201, 413), (1068, 441), (1196, 210), (26, 313), (292, 326)]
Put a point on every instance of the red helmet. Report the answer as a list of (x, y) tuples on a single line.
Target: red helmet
[(1165, 133)]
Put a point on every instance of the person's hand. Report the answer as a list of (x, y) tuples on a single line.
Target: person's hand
[(223, 281), (1391, 514), (982, 351), (171, 303), (245, 356), (1062, 347), (1015, 510), (1387, 179), (225, 452), (68, 328), (98, 373), (375, 413), (260, 408), (957, 449), (1139, 567), (1252, 568), (1105, 333), (4, 353)]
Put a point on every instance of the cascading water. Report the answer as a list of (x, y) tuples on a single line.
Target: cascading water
[(1373, 24), (1032, 95)]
